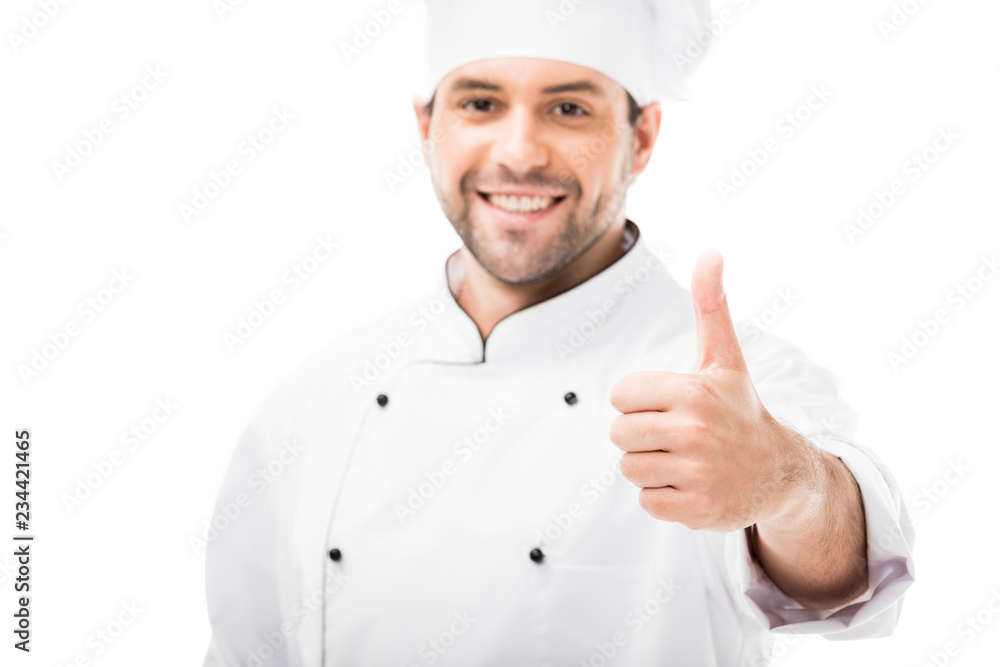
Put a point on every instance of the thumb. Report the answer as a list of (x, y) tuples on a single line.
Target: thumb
[(718, 346)]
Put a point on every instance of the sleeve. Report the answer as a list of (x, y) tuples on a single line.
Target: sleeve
[(804, 397), (242, 564)]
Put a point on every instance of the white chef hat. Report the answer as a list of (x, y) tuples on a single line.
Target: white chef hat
[(645, 45)]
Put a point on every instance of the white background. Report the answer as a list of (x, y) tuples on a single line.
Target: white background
[(161, 337)]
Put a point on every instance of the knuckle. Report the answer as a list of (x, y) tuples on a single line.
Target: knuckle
[(648, 501), (627, 465), (642, 427), (635, 468), (697, 472), (697, 387), (615, 394), (616, 430), (698, 427), (619, 391)]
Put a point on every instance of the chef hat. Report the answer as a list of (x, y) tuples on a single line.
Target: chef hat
[(641, 44)]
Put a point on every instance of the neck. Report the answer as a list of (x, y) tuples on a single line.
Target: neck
[(488, 300)]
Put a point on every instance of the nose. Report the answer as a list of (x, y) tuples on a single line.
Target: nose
[(520, 145)]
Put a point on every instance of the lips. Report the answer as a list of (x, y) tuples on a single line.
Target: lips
[(527, 210), (519, 202), (524, 193)]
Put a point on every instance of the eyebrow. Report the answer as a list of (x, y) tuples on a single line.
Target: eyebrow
[(575, 86)]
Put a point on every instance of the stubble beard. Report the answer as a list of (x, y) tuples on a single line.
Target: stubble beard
[(507, 261)]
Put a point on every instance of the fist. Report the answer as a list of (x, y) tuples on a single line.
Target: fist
[(702, 448)]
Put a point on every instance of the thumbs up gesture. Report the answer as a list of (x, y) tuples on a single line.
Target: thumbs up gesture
[(702, 447)]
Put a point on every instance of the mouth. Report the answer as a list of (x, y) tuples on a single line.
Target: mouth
[(519, 210)]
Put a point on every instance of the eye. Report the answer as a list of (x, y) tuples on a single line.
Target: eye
[(481, 104), (570, 109)]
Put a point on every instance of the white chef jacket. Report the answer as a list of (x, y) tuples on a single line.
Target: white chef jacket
[(414, 496)]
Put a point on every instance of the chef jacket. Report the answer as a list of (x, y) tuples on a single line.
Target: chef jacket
[(413, 495)]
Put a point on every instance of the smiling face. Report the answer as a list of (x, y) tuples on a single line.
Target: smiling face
[(531, 160)]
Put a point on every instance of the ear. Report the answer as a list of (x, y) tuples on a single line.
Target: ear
[(423, 124), (647, 129), (423, 118)]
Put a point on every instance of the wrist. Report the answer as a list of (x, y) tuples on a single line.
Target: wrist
[(803, 474)]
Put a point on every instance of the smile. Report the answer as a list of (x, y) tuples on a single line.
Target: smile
[(521, 204), (512, 210)]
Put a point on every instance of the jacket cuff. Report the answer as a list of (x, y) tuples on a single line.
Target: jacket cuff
[(889, 527)]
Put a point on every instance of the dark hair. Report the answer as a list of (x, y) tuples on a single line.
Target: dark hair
[(634, 110)]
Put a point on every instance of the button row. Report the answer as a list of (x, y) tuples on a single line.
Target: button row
[(570, 399), (535, 555)]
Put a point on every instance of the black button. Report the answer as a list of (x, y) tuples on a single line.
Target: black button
[(334, 554), (382, 399), (570, 398), (536, 555)]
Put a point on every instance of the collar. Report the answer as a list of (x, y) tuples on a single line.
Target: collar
[(559, 328)]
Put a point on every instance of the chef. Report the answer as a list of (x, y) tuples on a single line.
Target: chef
[(558, 456)]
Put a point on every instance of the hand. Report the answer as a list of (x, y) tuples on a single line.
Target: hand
[(702, 447)]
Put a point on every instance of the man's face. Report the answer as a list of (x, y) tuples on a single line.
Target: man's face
[(531, 160)]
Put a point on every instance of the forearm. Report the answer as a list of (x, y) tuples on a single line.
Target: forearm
[(815, 549)]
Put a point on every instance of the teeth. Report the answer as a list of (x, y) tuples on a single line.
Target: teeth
[(521, 204)]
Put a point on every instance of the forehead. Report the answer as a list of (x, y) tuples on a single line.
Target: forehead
[(537, 76)]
